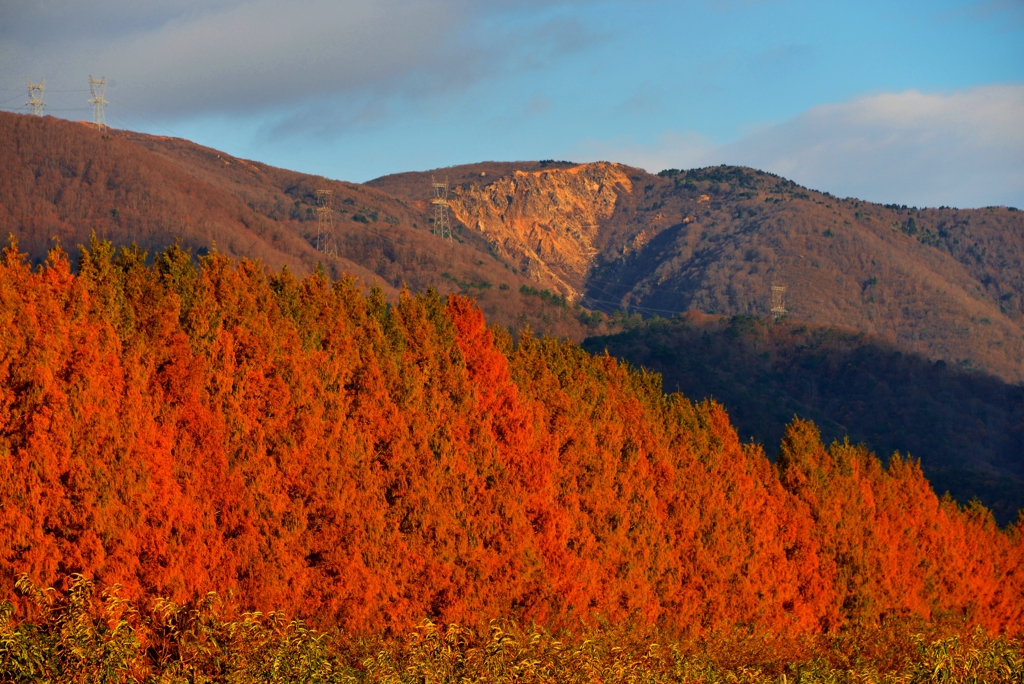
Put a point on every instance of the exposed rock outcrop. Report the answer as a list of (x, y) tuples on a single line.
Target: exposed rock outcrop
[(546, 223)]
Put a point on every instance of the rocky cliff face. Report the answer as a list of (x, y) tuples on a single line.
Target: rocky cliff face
[(546, 222)]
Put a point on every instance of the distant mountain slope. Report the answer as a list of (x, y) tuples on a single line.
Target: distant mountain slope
[(63, 180), (967, 427), (944, 283)]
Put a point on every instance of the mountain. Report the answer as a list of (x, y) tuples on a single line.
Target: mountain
[(944, 283), (64, 180), (904, 325)]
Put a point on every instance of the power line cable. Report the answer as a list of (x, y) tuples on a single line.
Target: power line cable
[(619, 304), (48, 109), (127, 124), (637, 307), (48, 90), (143, 116)]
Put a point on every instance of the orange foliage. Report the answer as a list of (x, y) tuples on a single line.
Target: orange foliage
[(365, 464)]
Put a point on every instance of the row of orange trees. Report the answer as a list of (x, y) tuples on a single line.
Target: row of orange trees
[(300, 445)]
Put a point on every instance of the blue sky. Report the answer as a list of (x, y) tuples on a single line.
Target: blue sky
[(918, 103)]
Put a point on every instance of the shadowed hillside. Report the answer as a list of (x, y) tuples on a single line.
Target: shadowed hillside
[(967, 427)]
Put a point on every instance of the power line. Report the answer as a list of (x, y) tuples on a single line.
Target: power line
[(636, 307), (67, 109), (18, 90), (127, 124), (119, 103), (49, 109)]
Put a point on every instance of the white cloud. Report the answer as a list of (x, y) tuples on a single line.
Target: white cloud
[(964, 148)]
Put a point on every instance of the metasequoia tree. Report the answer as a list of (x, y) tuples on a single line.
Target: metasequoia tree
[(179, 428)]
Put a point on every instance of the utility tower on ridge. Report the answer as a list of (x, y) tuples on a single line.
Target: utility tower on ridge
[(441, 225), (325, 223), (99, 105), (778, 301), (35, 96)]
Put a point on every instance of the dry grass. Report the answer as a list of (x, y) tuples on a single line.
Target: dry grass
[(77, 636)]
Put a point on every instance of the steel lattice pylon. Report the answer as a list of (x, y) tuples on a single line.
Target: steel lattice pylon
[(325, 241), (35, 96), (778, 301), (442, 226), (97, 87)]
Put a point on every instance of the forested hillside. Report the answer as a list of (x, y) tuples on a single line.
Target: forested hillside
[(363, 464)]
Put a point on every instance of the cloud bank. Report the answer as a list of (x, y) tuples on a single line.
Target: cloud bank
[(964, 148), (242, 56)]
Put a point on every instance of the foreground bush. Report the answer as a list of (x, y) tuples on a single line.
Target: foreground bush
[(79, 636)]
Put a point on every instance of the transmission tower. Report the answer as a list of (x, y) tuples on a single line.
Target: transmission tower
[(35, 96), (97, 87), (325, 224), (778, 301), (441, 225)]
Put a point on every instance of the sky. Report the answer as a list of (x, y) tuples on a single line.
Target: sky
[(918, 103)]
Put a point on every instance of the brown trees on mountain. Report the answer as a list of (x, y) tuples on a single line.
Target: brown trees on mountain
[(365, 464)]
